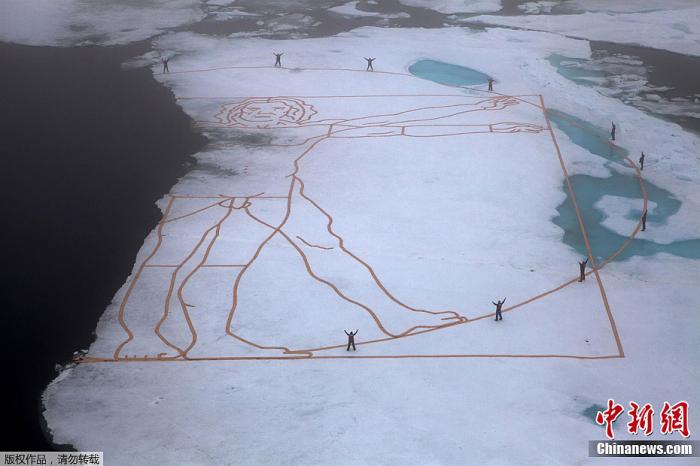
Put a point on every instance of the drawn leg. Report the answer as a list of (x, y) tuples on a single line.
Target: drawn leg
[(310, 231), (150, 312), (211, 292)]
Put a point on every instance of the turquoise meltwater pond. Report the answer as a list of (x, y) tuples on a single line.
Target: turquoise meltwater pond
[(589, 189), (446, 73)]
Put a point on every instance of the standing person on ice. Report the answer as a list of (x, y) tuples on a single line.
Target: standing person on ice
[(644, 220), (612, 131), (582, 270), (641, 161), (351, 339), (278, 59), (499, 305), (369, 64), (491, 84), (165, 65)]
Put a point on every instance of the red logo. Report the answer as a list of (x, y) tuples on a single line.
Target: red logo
[(672, 418), (675, 418), (608, 416), (641, 419)]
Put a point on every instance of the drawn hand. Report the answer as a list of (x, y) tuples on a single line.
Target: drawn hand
[(516, 128)]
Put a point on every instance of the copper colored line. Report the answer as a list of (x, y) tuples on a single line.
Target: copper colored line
[(173, 279), (91, 360), (137, 275), (339, 69), (359, 96), (195, 212), (180, 298), (585, 235), (312, 245), (308, 353), (341, 244), (222, 265)]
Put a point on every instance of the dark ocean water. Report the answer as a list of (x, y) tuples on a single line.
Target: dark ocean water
[(678, 72), (87, 148)]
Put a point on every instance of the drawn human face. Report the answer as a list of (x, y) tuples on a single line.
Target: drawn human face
[(270, 112)]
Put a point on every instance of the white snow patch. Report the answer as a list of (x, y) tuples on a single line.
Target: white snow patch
[(227, 14), (536, 8), (350, 9), (622, 216), (219, 2), (618, 212), (456, 6), (290, 22)]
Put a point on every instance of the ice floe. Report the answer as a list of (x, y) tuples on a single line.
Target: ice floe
[(411, 206), (674, 30)]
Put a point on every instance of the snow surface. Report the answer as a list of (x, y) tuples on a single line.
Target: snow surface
[(669, 25), (531, 8), (408, 208), (350, 9), (79, 22), (675, 30), (224, 15), (220, 2), (620, 216), (456, 6)]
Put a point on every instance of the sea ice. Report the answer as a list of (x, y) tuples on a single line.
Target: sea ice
[(73, 22), (350, 9), (456, 6), (674, 30), (450, 209)]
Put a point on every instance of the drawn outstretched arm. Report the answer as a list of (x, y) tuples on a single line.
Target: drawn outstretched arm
[(432, 113), (343, 130)]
